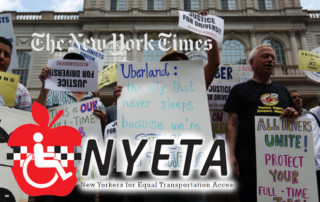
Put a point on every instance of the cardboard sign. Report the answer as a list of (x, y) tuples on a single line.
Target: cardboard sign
[(72, 75), (107, 76), (6, 30), (309, 61), (285, 160), (10, 119), (89, 54), (9, 83), (209, 25), (162, 99)]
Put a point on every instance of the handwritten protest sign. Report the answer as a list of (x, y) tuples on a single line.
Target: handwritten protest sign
[(9, 83), (72, 75), (285, 160), (89, 54), (158, 99), (107, 76), (6, 30), (10, 119), (79, 116), (209, 25), (219, 119), (309, 61)]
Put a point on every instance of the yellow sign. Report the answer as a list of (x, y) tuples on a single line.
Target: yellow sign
[(309, 61), (107, 76), (8, 87)]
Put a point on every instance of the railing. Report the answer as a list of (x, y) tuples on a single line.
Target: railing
[(288, 71), (45, 15), (314, 15)]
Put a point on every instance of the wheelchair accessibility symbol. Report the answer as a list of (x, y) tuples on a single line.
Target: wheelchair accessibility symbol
[(40, 162)]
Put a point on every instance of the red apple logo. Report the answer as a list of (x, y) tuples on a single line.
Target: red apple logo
[(44, 156)]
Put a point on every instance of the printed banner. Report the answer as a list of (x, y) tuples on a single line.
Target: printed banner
[(245, 73), (79, 116), (10, 119), (161, 99), (9, 83), (285, 160), (309, 61), (72, 75), (209, 25), (6, 30), (107, 76), (89, 54)]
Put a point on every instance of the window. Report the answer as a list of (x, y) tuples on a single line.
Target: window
[(278, 49), (24, 63), (228, 5), (117, 5), (110, 56), (233, 52), (265, 4), (153, 55), (154, 4), (191, 5)]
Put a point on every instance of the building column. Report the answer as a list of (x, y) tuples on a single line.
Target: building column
[(303, 40), (294, 47), (253, 40)]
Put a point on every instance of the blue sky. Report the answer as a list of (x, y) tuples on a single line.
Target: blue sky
[(76, 5)]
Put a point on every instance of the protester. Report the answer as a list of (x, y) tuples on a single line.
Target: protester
[(258, 96), (316, 110), (298, 101), (55, 98), (23, 99)]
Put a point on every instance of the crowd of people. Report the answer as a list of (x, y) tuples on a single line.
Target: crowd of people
[(242, 106)]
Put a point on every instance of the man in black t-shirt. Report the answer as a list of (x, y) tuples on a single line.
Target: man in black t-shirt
[(258, 96)]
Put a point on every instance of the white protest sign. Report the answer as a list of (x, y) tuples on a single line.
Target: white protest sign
[(110, 132), (88, 53), (10, 119), (158, 99), (218, 93), (80, 116), (209, 25), (198, 55), (72, 75), (285, 160), (245, 73), (6, 30)]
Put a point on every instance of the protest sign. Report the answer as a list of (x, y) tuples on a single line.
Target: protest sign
[(219, 119), (9, 83), (159, 99), (72, 75), (285, 160), (110, 131), (198, 55), (6, 30), (245, 73), (209, 25), (10, 119), (309, 61), (79, 116), (314, 76), (218, 93), (88, 53), (107, 76)]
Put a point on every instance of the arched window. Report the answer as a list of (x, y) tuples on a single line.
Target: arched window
[(153, 55), (111, 56), (278, 49), (233, 52)]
